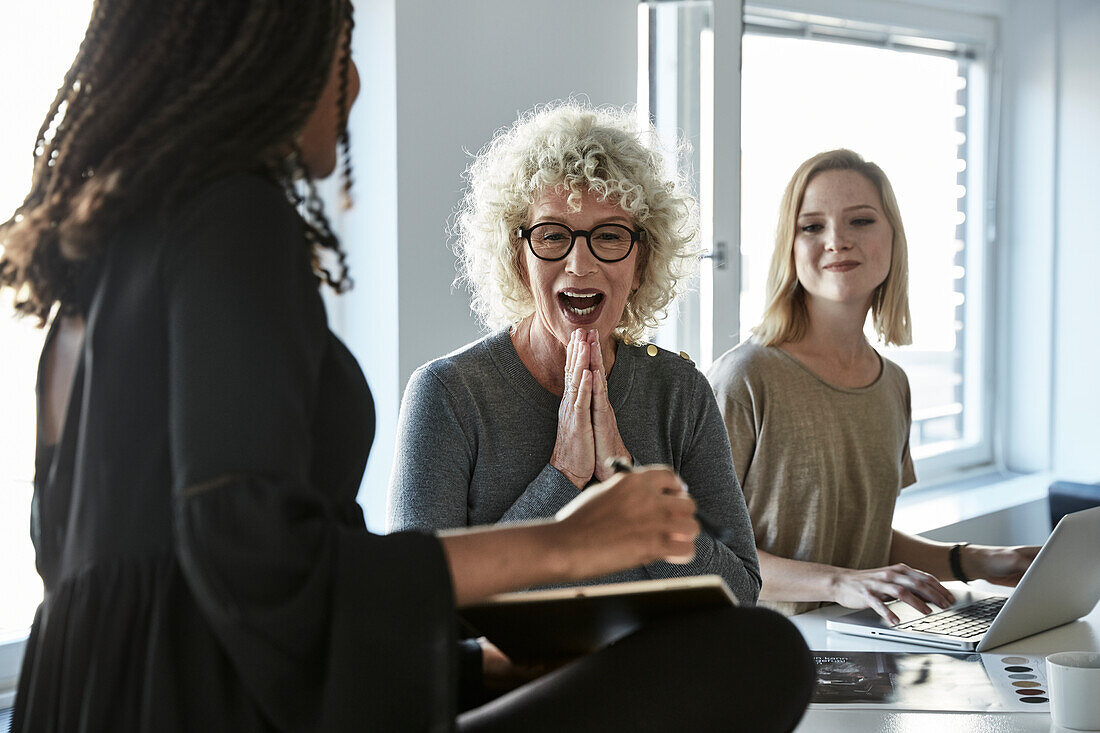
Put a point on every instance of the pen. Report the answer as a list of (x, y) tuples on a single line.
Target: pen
[(723, 535)]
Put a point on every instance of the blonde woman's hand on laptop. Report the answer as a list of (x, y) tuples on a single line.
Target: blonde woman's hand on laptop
[(876, 587), (797, 580), (998, 565)]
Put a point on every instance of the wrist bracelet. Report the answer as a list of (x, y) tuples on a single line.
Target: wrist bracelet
[(954, 556)]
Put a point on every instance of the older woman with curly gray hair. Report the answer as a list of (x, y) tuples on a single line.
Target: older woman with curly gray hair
[(574, 238)]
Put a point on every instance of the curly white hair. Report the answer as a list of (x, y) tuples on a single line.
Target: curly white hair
[(576, 147)]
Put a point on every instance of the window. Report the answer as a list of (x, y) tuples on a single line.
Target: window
[(42, 52), (676, 43), (912, 99)]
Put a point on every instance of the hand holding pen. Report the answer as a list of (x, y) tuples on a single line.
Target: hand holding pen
[(629, 520), (724, 535)]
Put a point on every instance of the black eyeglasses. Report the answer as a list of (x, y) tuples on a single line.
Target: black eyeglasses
[(551, 241)]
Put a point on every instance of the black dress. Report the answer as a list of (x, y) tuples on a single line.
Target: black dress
[(205, 563)]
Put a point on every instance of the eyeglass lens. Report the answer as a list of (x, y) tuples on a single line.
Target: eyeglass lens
[(608, 242)]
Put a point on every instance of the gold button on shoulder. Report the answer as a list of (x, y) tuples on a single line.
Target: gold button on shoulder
[(684, 355), (651, 350)]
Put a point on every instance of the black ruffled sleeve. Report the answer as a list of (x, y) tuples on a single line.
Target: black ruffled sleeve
[(328, 626)]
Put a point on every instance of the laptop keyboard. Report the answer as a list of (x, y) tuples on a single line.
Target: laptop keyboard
[(964, 621)]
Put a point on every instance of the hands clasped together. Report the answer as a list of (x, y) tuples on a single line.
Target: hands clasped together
[(588, 436)]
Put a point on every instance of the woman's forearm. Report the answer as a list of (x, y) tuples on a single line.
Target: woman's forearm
[(626, 521), (999, 565), (917, 552), (795, 580), (488, 560)]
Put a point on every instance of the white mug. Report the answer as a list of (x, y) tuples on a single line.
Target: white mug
[(1074, 681)]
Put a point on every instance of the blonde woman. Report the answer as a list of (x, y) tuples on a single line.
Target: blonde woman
[(819, 421)]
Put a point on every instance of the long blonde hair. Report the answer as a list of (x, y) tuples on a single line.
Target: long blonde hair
[(785, 316)]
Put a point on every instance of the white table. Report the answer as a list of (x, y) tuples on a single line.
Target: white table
[(1083, 634)]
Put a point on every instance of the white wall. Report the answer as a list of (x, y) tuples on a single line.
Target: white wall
[(1051, 395), (1077, 257), (438, 79), (366, 316), (1026, 238)]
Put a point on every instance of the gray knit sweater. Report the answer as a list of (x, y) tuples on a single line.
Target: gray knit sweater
[(476, 433)]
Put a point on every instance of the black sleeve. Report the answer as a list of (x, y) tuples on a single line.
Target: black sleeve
[(327, 625)]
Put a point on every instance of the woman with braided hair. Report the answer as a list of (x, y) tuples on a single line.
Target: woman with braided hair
[(202, 434)]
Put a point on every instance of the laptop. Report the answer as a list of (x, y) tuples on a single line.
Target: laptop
[(1062, 585), (559, 624)]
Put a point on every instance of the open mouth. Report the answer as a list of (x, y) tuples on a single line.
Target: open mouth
[(579, 303)]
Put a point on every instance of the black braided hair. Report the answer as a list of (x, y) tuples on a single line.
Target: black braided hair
[(342, 137), (318, 231), (163, 97)]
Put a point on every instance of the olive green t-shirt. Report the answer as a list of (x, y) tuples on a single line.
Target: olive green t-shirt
[(820, 465)]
